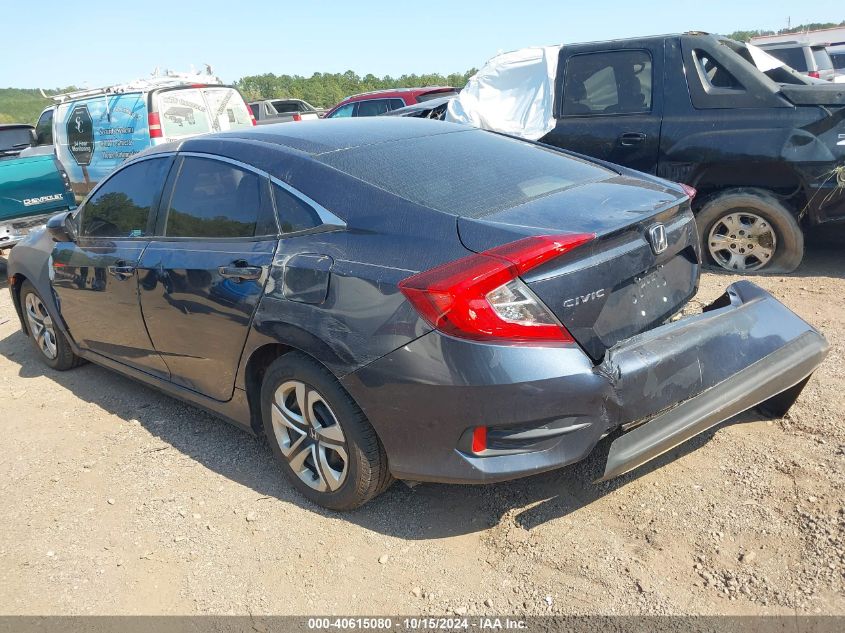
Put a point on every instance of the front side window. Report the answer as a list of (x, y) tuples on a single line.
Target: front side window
[(343, 111), (44, 128), (373, 107), (125, 204), (216, 199), (617, 82)]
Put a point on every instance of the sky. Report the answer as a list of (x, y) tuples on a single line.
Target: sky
[(101, 42)]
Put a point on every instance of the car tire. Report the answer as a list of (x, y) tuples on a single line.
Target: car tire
[(327, 447), (726, 223), (51, 344)]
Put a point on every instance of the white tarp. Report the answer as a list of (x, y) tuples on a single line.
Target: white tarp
[(763, 60), (513, 93)]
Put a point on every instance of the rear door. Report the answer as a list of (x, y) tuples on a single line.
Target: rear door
[(201, 279), (609, 103), (96, 277)]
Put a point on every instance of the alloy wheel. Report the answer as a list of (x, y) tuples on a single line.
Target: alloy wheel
[(742, 241), (309, 436), (41, 326)]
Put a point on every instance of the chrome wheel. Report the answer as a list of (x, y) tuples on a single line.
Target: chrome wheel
[(309, 436), (742, 241), (41, 326)]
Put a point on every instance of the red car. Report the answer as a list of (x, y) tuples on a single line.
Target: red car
[(381, 101)]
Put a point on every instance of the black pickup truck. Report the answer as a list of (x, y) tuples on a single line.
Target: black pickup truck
[(766, 151)]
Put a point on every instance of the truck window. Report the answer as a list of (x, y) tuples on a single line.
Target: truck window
[(617, 82), (715, 74), (44, 128)]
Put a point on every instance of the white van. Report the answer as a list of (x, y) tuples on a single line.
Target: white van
[(93, 131)]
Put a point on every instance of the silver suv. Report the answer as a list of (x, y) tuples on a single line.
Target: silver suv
[(812, 60)]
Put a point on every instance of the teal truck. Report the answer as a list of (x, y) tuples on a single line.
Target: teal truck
[(33, 186)]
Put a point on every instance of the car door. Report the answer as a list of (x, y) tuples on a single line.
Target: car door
[(609, 104), (203, 275), (96, 278)]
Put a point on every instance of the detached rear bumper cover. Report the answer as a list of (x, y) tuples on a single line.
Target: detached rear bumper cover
[(752, 352), (667, 384)]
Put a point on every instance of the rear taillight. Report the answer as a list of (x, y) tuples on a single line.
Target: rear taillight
[(814, 74), (479, 439), (297, 116), (154, 122), (481, 297), (690, 191), (251, 116)]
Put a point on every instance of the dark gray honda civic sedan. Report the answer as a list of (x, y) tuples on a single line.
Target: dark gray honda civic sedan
[(402, 298)]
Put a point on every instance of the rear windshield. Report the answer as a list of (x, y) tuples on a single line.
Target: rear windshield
[(192, 111), (283, 107), (435, 95), (15, 136), (468, 173), (823, 61), (793, 57)]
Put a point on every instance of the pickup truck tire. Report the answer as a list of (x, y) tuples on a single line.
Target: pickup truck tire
[(749, 231), (53, 348), (327, 447)]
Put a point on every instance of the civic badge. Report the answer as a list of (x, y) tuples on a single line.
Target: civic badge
[(657, 238)]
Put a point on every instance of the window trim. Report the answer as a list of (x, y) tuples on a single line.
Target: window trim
[(592, 115), (329, 221), (155, 208)]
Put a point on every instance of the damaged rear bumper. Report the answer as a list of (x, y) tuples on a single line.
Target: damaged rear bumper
[(549, 407)]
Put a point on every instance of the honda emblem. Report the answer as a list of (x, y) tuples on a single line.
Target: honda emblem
[(657, 237)]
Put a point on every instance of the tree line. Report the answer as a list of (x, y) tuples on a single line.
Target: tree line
[(744, 36), (326, 89)]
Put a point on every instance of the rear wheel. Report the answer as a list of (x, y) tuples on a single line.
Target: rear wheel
[(748, 231), (53, 348), (326, 445)]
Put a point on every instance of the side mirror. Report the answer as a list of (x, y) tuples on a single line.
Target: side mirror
[(62, 227)]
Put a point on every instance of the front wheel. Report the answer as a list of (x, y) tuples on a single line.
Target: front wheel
[(53, 348), (749, 231), (326, 446)]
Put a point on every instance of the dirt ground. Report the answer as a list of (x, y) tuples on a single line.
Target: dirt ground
[(115, 499)]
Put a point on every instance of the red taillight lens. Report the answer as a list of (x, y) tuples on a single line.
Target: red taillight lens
[(814, 74), (251, 116), (297, 116), (481, 297), (154, 122), (479, 439), (690, 191)]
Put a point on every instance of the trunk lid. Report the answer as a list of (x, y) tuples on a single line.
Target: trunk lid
[(617, 285)]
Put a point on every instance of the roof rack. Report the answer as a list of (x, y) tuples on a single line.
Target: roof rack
[(155, 80)]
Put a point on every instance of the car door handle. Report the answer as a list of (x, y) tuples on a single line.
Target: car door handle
[(240, 272), (631, 138), (121, 270)]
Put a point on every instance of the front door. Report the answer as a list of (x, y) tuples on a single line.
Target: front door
[(202, 279), (609, 105), (96, 277)]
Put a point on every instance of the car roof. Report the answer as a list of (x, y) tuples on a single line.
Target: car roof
[(396, 92), (312, 137)]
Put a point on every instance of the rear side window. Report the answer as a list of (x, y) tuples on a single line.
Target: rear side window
[(617, 82), (515, 172), (125, 204), (216, 199), (44, 128), (793, 57), (838, 60), (294, 214), (714, 73)]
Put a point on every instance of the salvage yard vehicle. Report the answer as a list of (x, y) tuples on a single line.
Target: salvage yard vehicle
[(811, 60), (380, 304), (282, 111), (32, 188), (767, 157), (94, 131), (381, 101)]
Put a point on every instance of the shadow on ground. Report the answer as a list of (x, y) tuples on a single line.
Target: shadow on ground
[(426, 511)]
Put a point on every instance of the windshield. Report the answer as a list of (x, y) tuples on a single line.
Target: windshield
[(14, 138)]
